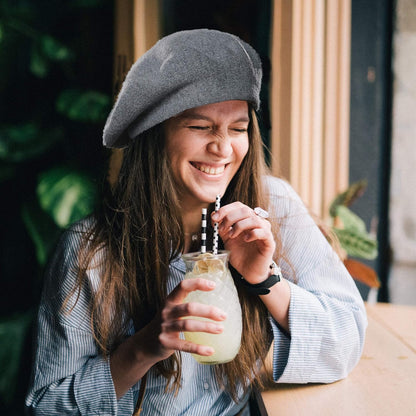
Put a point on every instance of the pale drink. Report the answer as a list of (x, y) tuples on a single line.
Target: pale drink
[(214, 267)]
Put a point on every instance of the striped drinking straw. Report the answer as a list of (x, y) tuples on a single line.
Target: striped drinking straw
[(215, 243), (204, 231)]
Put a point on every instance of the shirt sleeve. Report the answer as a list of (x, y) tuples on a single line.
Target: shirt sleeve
[(327, 318), (69, 375)]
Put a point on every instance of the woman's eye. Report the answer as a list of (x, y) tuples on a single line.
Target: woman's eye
[(199, 127), (240, 130)]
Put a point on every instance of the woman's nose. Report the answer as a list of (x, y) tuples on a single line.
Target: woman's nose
[(221, 146)]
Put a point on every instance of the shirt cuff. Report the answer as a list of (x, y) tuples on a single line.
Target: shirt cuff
[(295, 357), (94, 388)]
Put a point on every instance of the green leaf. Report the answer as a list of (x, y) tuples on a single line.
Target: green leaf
[(346, 198), (27, 141), (12, 335), (85, 106), (41, 229), (45, 50), (54, 50), (66, 195), (356, 244), (351, 221), (39, 65)]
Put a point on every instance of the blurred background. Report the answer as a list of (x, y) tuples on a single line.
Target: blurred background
[(338, 105)]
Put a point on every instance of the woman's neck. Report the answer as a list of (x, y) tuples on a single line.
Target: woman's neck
[(191, 220)]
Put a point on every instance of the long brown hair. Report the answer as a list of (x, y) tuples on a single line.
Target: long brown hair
[(140, 230)]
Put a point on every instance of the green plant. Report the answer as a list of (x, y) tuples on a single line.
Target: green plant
[(55, 82), (13, 331), (353, 236)]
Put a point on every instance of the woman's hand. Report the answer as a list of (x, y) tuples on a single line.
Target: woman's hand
[(176, 317), (248, 238), (161, 337)]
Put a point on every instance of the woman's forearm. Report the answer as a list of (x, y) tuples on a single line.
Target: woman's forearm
[(277, 302), (130, 362)]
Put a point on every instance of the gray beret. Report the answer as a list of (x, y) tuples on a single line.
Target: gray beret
[(183, 70)]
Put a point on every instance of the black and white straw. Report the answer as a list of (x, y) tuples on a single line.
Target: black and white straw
[(204, 231), (215, 242)]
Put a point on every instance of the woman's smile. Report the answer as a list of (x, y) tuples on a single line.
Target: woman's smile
[(213, 170)]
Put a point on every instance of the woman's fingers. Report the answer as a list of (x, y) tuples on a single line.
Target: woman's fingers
[(244, 224), (249, 224), (184, 345), (258, 235), (177, 317), (197, 349), (237, 218), (193, 309), (230, 214), (189, 285), (192, 325), (248, 237)]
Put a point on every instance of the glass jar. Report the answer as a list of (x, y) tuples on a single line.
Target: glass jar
[(215, 267)]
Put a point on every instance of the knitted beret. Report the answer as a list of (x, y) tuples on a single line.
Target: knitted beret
[(184, 70)]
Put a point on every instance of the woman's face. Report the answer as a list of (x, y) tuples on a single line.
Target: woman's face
[(205, 146)]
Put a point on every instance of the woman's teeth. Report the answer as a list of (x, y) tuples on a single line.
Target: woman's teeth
[(211, 170)]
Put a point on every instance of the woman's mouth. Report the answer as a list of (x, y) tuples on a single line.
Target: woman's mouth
[(209, 169)]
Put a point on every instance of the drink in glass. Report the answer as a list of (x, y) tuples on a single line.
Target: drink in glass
[(214, 267)]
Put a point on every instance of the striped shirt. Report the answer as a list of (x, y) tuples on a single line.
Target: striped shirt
[(326, 317)]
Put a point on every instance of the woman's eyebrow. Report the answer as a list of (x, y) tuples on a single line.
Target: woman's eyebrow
[(194, 116), (198, 116)]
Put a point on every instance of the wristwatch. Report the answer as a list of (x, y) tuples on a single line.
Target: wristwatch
[(263, 288)]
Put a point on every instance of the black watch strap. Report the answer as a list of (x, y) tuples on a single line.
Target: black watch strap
[(263, 288)]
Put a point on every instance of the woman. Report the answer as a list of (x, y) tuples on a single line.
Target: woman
[(112, 309)]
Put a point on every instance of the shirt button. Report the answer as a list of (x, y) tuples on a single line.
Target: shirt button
[(206, 386)]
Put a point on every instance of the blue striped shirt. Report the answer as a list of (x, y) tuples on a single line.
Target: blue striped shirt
[(326, 317)]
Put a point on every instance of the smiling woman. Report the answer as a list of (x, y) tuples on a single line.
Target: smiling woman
[(113, 312)]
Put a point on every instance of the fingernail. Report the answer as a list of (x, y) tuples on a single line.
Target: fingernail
[(209, 350), (219, 329), (211, 283), (223, 316), (215, 215)]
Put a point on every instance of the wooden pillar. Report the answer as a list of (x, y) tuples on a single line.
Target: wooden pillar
[(310, 97), (136, 29)]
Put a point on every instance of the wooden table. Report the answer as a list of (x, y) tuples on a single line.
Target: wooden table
[(383, 382)]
